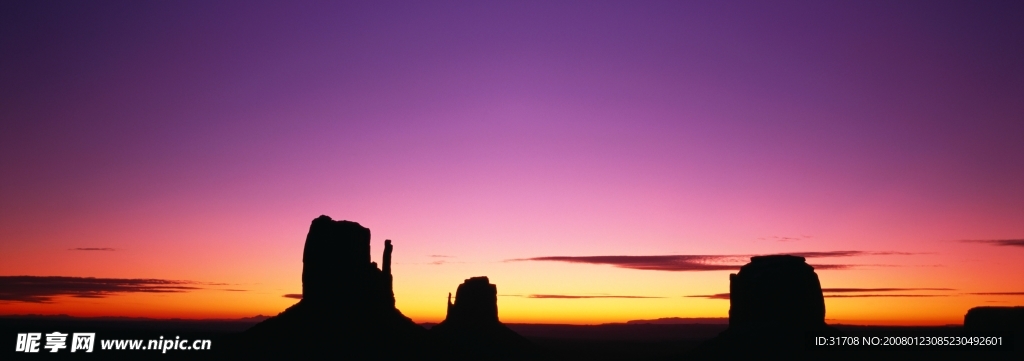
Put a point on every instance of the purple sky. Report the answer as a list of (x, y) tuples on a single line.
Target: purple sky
[(507, 130), (924, 97)]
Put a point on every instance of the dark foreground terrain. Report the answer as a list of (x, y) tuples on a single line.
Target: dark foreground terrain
[(559, 342)]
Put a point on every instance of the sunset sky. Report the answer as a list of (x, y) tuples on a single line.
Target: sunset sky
[(177, 152)]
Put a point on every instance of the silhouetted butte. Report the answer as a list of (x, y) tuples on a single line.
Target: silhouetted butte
[(471, 329), (1007, 322), (776, 306), (348, 305)]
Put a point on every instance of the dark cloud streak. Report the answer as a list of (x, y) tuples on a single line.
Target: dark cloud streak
[(682, 263), (36, 289), (584, 297), (574, 297), (881, 295), (998, 242), (656, 263), (842, 290), (996, 293), (717, 296), (725, 296)]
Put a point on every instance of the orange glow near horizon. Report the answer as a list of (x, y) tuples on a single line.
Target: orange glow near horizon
[(421, 289), (543, 144)]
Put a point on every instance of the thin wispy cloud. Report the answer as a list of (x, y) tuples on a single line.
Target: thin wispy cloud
[(996, 293), (998, 242), (91, 249), (657, 263), (38, 289), (573, 297), (819, 266), (784, 239), (297, 296), (717, 296), (848, 254), (843, 290), (882, 295), (444, 261), (682, 263), (725, 296), (843, 293)]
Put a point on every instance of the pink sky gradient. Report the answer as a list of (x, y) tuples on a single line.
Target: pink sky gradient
[(198, 141)]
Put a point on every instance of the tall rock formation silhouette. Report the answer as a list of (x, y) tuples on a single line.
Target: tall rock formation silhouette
[(348, 306), (471, 330), (776, 306), (776, 290)]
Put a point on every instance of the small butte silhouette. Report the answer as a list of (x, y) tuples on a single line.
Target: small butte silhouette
[(471, 329)]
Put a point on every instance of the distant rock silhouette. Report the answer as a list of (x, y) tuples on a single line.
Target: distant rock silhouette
[(997, 321), (776, 306), (681, 321), (471, 329), (348, 306), (982, 320), (476, 303)]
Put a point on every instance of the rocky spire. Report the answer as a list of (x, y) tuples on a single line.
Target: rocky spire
[(449, 309), (387, 257)]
